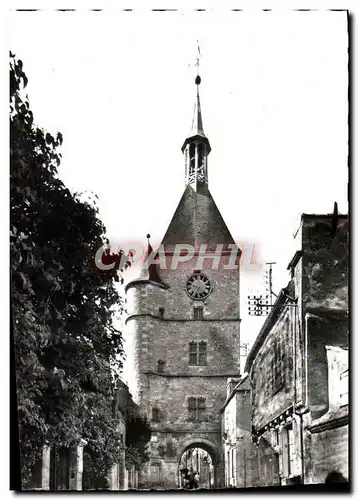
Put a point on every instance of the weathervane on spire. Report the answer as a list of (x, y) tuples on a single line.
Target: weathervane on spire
[(197, 79)]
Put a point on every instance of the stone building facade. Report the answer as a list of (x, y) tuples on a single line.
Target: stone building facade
[(299, 363), (239, 452), (184, 322)]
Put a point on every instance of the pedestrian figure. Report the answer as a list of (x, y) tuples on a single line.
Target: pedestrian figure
[(185, 479), (190, 477), (196, 480)]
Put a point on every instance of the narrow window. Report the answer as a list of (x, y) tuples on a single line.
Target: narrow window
[(202, 353), (155, 414), (192, 408), (198, 313), (193, 353), (344, 388), (160, 366), (278, 368), (275, 437), (290, 449), (186, 163), (201, 407), (161, 311), (191, 162), (200, 163)]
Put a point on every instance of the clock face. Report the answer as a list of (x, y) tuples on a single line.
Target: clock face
[(198, 286)]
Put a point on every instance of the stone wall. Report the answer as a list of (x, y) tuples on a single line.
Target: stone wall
[(325, 262), (327, 451), (268, 399)]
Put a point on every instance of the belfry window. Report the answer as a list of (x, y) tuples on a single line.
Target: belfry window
[(200, 174), (186, 163), (191, 162)]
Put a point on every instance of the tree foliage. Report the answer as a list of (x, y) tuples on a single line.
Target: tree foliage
[(137, 438), (67, 346)]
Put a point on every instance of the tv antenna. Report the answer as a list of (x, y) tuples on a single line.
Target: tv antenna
[(259, 305)]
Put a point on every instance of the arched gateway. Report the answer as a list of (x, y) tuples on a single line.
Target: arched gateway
[(201, 456), (184, 323)]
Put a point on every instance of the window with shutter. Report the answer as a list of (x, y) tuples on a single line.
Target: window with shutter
[(196, 408), (192, 408), (193, 353), (201, 407), (344, 388), (202, 353), (290, 449)]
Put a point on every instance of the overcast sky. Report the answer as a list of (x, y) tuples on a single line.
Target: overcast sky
[(119, 87)]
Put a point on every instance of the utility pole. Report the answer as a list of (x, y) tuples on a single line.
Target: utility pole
[(244, 349), (269, 273), (259, 305)]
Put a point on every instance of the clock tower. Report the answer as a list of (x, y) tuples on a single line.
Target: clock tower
[(184, 322)]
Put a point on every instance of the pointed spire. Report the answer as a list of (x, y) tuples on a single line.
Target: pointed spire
[(197, 129), (197, 124)]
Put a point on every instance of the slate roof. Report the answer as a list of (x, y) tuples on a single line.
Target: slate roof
[(197, 220)]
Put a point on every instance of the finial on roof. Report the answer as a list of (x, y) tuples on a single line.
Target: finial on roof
[(148, 236), (197, 80)]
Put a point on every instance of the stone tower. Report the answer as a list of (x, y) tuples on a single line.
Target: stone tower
[(184, 322)]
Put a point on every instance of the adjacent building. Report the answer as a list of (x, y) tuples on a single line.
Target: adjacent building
[(298, 365), (239, 452)]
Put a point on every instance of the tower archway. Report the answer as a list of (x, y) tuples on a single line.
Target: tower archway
[(198, 455)]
